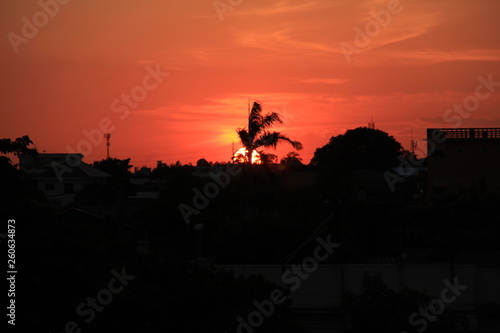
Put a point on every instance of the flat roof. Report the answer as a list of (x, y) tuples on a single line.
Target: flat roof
[(473, 133)]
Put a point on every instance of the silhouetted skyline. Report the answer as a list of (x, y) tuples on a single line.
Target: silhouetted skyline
[(190, 74)]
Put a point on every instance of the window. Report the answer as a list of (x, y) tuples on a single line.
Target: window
[(49, 187), (69, 188)]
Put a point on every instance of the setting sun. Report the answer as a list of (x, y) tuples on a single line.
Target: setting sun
[(239, 156)]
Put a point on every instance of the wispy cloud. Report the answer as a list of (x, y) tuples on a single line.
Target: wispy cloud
[(284, 41), (322, 81), (283, 7)]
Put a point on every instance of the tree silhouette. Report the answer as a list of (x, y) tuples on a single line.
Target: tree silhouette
[(114, 166), (18, 192), (18, 147), (357, 149), (258, 135), (268, 157), (292, 158), (203, 163)]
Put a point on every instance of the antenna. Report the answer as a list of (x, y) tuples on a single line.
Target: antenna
[(107, 136), (413, 142), (371, 124)]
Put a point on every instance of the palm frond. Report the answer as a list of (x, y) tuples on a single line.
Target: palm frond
[(257, 122), (244, 136), (269, 119), (267, 139), (272, 139), (254, 118)]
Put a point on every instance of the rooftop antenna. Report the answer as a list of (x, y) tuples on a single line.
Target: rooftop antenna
[(412, 142), (371, 124), (107, 136)]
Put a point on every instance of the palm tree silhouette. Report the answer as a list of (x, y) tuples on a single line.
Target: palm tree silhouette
[(258, 135)]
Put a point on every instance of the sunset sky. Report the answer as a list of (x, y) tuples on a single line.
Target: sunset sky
[(69, 76)]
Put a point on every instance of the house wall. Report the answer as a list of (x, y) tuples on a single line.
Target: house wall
[(59, 187), (58, 196)]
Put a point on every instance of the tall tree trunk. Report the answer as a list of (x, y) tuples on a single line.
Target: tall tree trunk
[(249, 155)]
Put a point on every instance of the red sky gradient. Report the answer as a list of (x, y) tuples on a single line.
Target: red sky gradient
[(285, 54)]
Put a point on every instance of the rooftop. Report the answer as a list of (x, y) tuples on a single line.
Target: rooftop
[(467, 133), (41, 166)]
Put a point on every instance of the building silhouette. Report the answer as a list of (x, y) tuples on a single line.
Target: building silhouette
[(61, 176), (463, 160)]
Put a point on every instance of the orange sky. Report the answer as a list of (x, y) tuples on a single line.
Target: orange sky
[(63, 79)]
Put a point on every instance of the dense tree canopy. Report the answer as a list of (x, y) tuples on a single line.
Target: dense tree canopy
[(358, 149), (18, 146), (292, 158), (114, 166)]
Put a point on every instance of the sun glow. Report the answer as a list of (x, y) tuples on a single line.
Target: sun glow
[(240, 156)]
